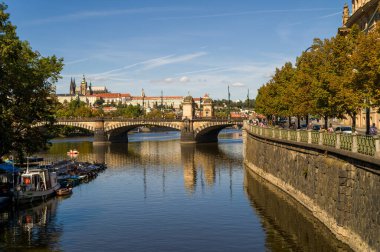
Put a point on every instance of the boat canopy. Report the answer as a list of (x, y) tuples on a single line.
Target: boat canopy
[(9, 167)]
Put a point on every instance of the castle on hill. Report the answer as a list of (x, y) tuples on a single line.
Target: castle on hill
[(90, 94)]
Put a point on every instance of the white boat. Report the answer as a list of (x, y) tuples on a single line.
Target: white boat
[(35, 185)]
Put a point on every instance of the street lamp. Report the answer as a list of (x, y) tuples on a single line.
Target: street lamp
[(228, 104), (13, 171)]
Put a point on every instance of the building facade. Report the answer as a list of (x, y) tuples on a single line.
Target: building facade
[(89, 94), (365, 14)]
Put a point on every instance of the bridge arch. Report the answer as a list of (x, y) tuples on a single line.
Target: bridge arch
[(209, 132), (118, 132), (82, 125)]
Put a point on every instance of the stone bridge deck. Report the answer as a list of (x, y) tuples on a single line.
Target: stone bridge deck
[(116, 129)]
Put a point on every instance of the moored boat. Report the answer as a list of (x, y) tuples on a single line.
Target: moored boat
[(8, 174), (72, 152), (64, 191), (36, 185)]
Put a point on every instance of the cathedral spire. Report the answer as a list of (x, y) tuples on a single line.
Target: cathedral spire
[(72, 86)]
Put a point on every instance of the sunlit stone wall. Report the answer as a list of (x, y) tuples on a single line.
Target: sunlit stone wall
[(342, 192)]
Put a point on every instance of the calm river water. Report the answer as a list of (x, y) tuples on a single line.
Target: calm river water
[(159, 195)]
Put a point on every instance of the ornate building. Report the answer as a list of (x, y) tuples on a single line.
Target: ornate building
[(365, 13)]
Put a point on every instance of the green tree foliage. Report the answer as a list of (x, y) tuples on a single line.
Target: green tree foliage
[(337, 77), (26, 92), (275, 97), (76, 108), (155, 114), (128, 111), (366, 65)]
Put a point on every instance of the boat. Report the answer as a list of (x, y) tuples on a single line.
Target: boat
[(36, 185), (73, 154), (8, 174), (64, 191)]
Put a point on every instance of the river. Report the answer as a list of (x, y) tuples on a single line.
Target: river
[(159, 195)]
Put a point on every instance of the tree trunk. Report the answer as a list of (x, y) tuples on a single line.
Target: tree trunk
[(298, 122), (353, 117), (326, 118), (289, 121), (307, 120), (367, 120)]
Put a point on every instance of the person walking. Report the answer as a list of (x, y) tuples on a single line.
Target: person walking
[(373, 130), (330, 129)]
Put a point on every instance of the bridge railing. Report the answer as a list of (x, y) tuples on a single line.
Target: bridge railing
[(139, 119), (367, 145)]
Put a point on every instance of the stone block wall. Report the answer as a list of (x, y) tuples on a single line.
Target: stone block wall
[(342, 192)]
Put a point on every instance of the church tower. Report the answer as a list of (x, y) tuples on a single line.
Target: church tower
[(83, 86), (72, 86), (90, 89)]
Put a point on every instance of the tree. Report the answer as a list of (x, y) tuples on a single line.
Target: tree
[(26, 92), (366, 67), (349, 98)]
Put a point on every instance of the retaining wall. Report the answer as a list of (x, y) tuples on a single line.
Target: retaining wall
[(339, 189)]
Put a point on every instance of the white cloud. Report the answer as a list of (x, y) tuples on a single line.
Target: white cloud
[(184, 79), (169, 80), (238, 84), (233, 14), (76, 61), (104, 13), (172, 59)]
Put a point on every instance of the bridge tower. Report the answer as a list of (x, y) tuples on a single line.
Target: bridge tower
[(187, 132), (207, 107), (188, 108)]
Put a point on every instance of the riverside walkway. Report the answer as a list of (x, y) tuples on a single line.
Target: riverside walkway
[(361, 144)]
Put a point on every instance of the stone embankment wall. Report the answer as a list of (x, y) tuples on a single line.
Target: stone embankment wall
[(341, 191)]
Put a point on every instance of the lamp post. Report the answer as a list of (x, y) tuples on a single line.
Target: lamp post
[(367, 116), (228, 104), (13, 171)]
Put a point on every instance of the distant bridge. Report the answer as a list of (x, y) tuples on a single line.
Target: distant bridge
[(116, 129)]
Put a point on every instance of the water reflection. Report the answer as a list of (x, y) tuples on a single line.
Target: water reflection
[(288, 225), (33, 227), (165, 196), (198, 162)]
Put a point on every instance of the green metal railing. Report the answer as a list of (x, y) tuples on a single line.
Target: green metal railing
[(346, 142), (329, 139), (304, 136), (293, 135), (367, 145), (315, 137)]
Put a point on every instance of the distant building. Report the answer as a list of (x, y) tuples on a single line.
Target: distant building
[(90, 94)]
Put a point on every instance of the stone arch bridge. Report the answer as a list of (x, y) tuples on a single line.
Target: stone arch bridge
[(116, 129)]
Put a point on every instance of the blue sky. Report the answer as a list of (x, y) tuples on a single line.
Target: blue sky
[(195, 46)]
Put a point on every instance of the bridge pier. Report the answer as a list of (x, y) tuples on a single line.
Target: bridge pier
[(118, 138), (100, 136), (187, 132)]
